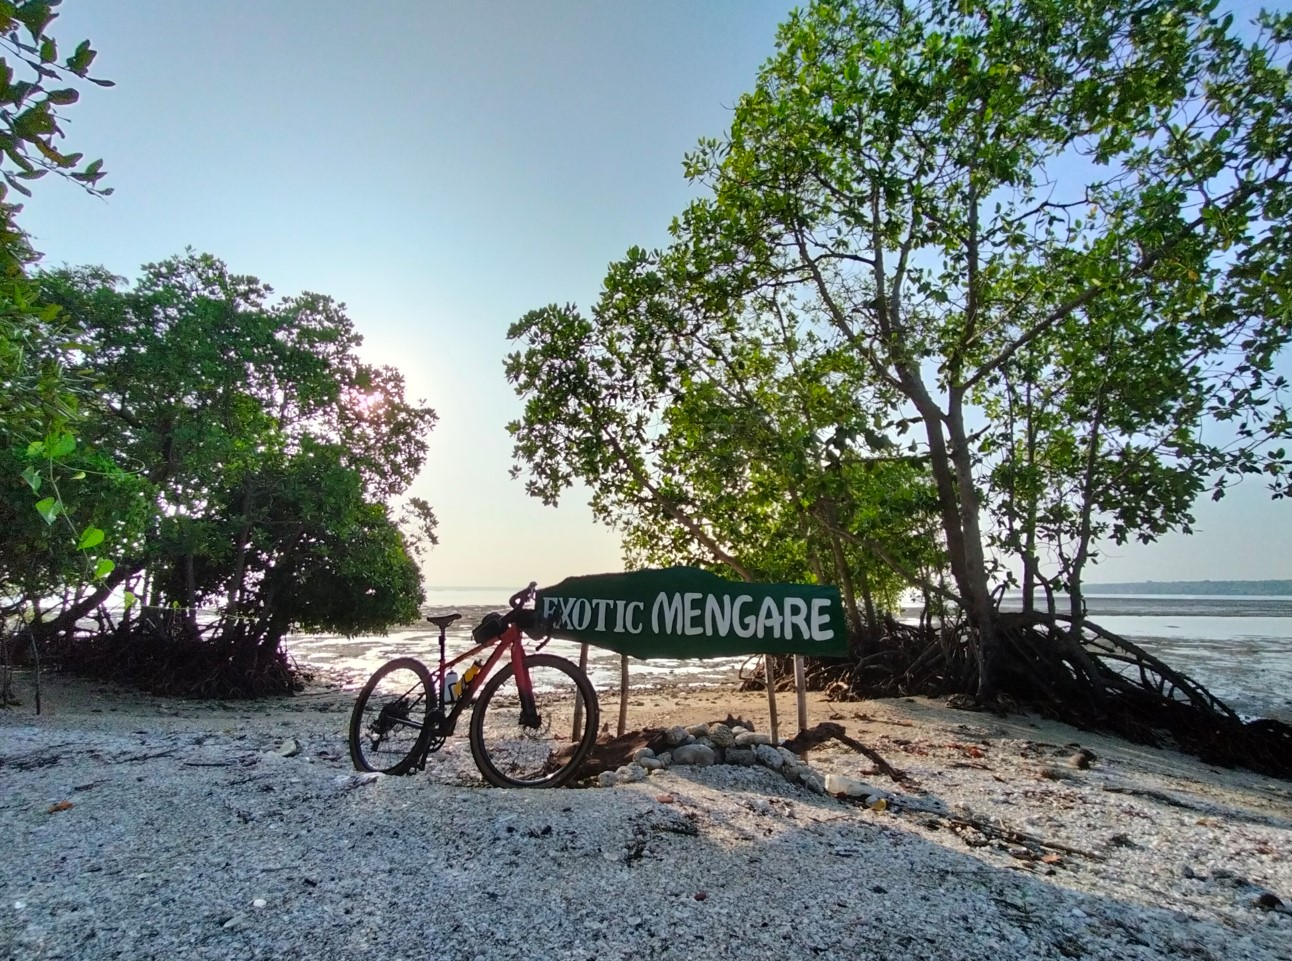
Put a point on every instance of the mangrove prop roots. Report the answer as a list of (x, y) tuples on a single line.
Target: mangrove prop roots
[(164, 658), (1093, 680)]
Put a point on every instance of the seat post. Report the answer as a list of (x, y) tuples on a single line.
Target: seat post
[(442, 621), (443, 666)]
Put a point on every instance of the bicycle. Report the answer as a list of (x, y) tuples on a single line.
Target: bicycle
[(533, 721)]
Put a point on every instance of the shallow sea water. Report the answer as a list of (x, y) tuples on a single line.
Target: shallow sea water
[(1239, 648)]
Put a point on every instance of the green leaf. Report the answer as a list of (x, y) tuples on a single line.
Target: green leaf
[(17, 186), (79, 475), (130, 599), (90, 537), (63, 445), (35, 17), (49, 508), (33, 122), (33, 478), (63, 97), (80, 61), (103, 568), (36, 449)]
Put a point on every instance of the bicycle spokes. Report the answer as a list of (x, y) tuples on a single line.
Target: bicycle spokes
[(520, 744), (391, 717)]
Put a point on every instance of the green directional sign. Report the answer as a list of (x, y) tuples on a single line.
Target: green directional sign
[(682, 612)]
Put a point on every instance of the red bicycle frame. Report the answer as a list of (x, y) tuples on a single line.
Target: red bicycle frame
[(511, 640)]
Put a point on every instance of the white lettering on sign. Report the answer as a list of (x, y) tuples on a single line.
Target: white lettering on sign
[(821, 629), (694, 614), (601, 606), (769, 617), (718, 618), (672, 611), (796, 610), (635, 616), (744, 627)]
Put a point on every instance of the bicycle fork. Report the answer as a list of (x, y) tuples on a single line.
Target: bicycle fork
[(524, 687)]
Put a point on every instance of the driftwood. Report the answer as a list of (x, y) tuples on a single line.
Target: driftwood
[(1000, 832), (812, 737), (1094, 680)]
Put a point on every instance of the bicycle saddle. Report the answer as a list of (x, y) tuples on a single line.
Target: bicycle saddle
[(443, 620)]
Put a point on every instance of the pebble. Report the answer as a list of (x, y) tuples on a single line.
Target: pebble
[(768, 756), (696, 754), (1267, 901), (1081, 760), (290, 748), (721, 735), (676, 735), (814, 782)]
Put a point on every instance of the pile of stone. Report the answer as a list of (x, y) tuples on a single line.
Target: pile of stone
[(701, 745)]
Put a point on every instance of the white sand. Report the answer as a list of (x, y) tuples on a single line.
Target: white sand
[(187, 836)]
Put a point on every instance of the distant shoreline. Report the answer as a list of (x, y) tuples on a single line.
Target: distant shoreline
[(1236, 588)]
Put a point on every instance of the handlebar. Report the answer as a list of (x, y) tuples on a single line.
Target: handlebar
[(526, 618), (521, 596)]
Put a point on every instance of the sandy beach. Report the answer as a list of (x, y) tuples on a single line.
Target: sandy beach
[(144, 827)]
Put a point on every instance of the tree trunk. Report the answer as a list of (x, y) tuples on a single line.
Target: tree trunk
[(1031, 565), (240, 559), (1076, 603), (982, 614), (66, 621), (953, 475), (190, 595), (872, 620), (863, 628)]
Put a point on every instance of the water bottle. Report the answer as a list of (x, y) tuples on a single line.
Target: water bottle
[(469, 676), (451, 688)]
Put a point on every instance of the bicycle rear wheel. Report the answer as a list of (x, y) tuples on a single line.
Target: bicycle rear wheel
[(539, 751), (391, 721)]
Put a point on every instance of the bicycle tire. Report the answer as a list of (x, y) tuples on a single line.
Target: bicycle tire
[(510, 754), (400, 708)]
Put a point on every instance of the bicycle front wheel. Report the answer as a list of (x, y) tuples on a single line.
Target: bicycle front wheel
[(544, 749), (391, 720)]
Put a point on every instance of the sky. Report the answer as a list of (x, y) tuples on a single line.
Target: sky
[(443, 168)]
